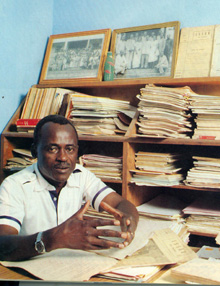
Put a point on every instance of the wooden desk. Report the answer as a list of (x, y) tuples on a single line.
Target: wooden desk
[(17, 274)]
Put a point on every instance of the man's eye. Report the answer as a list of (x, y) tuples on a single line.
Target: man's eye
[(53, 149), (70, 149)]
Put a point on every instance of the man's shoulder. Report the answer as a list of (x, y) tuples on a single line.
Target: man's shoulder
[(79, 169), (26, 174)]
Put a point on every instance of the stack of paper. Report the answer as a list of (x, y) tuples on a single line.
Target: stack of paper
[(22, 158), (157, 169), (207, 112), (163, 206), (98, 115), (131, 274), (163, 248), (198, 271), (104, 167), (164, 112), (205, 173), (204, 215)]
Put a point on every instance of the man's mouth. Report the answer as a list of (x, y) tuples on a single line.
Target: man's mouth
[(61, 168)]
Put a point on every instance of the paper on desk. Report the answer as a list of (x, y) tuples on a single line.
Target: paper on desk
[(78, 265), (173, 246), (198, 270), (145, 228), (64, 265), (164, 248), (137, 274)]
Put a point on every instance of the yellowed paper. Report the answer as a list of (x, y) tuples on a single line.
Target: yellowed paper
[(164, 248), (145, 228), (217, 239), (64, 265), (215, 66), (172, 246), (195, 52), (199, 271)]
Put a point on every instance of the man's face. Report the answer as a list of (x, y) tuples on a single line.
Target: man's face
[(57, 152)]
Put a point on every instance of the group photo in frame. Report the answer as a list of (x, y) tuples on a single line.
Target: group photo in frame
[(145, 51), (75, 56)]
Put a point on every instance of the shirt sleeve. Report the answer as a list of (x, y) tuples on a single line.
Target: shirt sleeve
[(11, 204), (95, 189)]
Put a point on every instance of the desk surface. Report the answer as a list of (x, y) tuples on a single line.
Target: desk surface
[(18, 274)]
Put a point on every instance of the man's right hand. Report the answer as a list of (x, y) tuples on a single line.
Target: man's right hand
[(80, 232)]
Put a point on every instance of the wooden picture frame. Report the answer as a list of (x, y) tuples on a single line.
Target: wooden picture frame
[(145, 51), (75, 57)]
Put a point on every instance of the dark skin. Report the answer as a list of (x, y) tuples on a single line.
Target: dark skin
[(57, 153)]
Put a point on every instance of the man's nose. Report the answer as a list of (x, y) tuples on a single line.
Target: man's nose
[(61, 155)]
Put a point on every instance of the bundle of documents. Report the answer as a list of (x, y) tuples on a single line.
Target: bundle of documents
[(131, 274), (207, 111), (104, 167), (156, 243), (205, 173), (163, 206), (163, 248), (157, 169), (198, 271), (204, 215), (22, 158), (164, 112), (93, 115)]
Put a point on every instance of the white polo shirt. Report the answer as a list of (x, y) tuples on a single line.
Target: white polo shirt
[(28, 202)]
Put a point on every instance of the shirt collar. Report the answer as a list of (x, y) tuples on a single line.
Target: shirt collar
[(43, 184)]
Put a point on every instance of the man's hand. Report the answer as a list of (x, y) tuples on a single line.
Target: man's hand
[(80, 232), (126, 221)]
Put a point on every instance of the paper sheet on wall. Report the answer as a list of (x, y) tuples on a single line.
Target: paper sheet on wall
[(215, 66), (195, 52)]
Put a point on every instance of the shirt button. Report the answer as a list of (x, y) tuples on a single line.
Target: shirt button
[(55, 199)]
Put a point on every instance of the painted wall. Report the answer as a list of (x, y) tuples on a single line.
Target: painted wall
[(27, 24), (24, 29), (83, 15)]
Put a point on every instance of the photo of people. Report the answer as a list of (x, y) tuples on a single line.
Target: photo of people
[(75, 57), (145, 53)]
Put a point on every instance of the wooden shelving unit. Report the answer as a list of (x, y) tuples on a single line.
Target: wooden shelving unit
[(126, 145)]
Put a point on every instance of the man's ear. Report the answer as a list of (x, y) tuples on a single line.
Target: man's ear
[(33, 151)]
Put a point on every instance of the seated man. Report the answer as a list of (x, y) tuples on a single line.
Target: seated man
[(41, 206)]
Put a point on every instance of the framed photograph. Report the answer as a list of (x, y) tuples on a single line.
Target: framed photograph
[(145, 51), (76, 56)]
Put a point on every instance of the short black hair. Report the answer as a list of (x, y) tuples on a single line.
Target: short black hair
[(55, 118)]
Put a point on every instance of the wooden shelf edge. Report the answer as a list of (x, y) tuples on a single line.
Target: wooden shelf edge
[(183, 187), (128, 138), (135, 82), (173, 141)]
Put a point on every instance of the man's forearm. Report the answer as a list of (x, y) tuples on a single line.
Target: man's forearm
[(126, 207), (16, 247)]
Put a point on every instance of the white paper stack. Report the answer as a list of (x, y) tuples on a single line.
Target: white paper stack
[(207, 111), (93, 115), (205, 173), (22, 158), (203, 216), (163, 206), (104, 167), (157, 169), (164, 112)]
